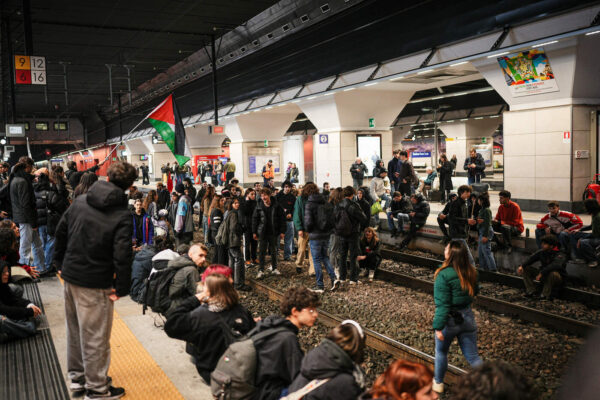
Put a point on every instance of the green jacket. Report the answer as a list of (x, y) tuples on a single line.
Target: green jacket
[(448, 295), (299, 213)]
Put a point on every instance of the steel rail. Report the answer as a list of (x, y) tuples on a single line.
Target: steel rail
[(553, 321), (373, 340), (585, 297)]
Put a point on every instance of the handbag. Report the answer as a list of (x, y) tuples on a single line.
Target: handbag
[(376, 208)]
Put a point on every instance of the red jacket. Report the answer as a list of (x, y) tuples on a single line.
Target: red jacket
[(510, 214), (562, 221)]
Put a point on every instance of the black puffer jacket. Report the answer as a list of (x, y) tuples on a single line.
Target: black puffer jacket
[(276, 219), (328, 360), (358, 218), (479, 165), (247, 209), (311, 218), (22, 196), (50, 204), (421, 210), (140, 270), (403, 206), (93, 240), (202, 329), (286, 201), (279, 358)]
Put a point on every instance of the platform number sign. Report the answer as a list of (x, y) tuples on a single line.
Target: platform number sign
[(323, 139), (30, 70)]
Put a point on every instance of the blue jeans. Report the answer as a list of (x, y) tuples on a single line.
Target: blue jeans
[(471, 259), (486, 258), (47, 245), (563, 238), (29, 239), (467, 339), (288, 240), (574, 237), (15, 329), (402, 219), (587, 248), (205, 228), (319, 250), (474, 179)]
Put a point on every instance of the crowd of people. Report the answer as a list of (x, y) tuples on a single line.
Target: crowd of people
[(108, 239)]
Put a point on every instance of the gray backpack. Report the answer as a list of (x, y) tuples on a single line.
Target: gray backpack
[(234, 377), (222, 237)]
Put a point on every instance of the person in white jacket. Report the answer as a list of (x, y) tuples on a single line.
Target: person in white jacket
[(380, 191)]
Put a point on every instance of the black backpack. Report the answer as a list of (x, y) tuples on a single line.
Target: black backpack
[(343, 223), (325, 217), (157, 290)]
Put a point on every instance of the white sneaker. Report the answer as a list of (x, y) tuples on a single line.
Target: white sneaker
[(260, 275), (371, 275), (438, 387), (353, 283), (336, 285), (275, 272), (593, 264)]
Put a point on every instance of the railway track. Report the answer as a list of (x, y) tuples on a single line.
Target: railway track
[(550, 320), (374, 340), (588, 298)]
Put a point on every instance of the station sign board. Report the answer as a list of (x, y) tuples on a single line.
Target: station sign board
[(216, 130), (30, 70), (15, 130)]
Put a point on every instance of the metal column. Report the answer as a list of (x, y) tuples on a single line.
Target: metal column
[(214, 76)]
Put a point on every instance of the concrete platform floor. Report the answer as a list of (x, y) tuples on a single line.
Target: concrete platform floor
[(169, 354)]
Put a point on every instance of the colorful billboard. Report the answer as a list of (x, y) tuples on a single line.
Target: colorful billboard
[(528, 73)]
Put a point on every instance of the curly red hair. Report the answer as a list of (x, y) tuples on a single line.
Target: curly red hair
[(401, 377)]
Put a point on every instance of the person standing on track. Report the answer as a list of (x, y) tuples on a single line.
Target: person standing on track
[(94, 254), (455, 286)]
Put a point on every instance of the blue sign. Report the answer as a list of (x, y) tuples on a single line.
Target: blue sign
[(421, 154), (323, 139), (252, 163)]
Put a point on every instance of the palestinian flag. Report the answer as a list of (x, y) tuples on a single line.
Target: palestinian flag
[(166, 120)]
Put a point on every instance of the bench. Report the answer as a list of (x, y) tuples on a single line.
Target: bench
[(30, 367)]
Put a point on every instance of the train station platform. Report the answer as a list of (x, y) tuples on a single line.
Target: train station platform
[(144, 360)]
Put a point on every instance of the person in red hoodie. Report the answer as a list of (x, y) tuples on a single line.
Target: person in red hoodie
[(509, 220)]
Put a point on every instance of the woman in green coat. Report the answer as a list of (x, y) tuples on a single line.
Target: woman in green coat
[(454, 288)]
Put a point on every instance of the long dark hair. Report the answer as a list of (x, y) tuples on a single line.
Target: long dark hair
[(86, 182), (459, 260)]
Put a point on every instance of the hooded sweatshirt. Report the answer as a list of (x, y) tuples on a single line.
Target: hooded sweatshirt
[(278, 358), (328, 360), (93, 240)]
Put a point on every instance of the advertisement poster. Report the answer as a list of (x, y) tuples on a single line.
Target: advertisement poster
[(528, 73), (256, 162), (369, 150)]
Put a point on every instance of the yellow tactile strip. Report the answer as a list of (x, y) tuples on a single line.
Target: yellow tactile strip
[(133, 368)]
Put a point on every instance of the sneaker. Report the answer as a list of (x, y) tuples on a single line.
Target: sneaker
[(593, 264), (77, 387), (438, 387), (111, 393), (371, 275), (335, 285), (275, 272), (579, 261), (317, 289), (353, 283), (260, 275)]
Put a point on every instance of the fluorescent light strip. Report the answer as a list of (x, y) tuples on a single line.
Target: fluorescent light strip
[(328, 94), (498, 54), (544, 44), (464, 119), (296, 101), (397, 79), (478, 118), (494, 116), (312, 97), (424, 72), (592, 33), (371, 84), (268, 108), (460, 63), (349, 89), (281, 105)]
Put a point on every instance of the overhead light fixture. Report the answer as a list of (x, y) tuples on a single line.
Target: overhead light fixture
[(296, 101), (328, 94), (247, 112), (371, 84), (498, 54), (451, 120), (424, 72), (312, 97), (478, 118), (592, 33), (396, 79), (349, 89), (464, 119), (281, 105), (487, 89), (460, 63), (544, 44), (268, 107), (494, 116)]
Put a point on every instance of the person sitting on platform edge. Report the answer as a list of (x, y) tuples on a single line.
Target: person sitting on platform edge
[(509, 220), (559, 223), (552, 273), (442, 218), (370, 252), (418, 218), (428, 181), (16, 313), (585, 244), (399, 208)]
